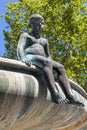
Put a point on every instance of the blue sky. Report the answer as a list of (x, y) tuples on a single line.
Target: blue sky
[(3, 24)]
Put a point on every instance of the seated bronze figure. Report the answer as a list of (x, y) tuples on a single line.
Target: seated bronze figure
[(34, 49)]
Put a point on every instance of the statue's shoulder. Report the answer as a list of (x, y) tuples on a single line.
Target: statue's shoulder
[(44, 40), (24, 35), (27, 36)]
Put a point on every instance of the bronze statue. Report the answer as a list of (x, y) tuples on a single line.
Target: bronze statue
[(34, 49)]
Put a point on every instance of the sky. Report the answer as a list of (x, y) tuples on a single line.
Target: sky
[(3, 25)]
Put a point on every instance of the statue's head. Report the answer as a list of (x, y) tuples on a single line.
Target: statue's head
[(35, 17), (36, 21)]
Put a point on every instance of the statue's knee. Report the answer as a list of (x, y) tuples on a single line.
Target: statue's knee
[(62, 68), (47, 63), (46, 70), (47, 66)]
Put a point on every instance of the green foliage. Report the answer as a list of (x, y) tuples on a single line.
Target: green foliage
[(65, 28)]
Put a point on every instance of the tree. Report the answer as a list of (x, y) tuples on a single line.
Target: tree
[(66, 30)]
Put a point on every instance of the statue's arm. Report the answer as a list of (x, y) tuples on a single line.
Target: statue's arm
[(21, 48), (47, 50)]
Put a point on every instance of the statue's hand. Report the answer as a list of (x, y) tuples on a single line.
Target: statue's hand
[(25, 60)]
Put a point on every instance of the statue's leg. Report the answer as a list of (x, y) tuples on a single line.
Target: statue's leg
[(65, 82), (56, 95), (47, 67)]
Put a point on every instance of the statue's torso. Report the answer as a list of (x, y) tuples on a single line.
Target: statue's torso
[(35, 46)]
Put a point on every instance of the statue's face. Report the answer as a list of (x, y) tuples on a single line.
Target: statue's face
[(38, 25)]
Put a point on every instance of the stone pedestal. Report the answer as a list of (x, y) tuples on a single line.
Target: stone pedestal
[(25, 101)]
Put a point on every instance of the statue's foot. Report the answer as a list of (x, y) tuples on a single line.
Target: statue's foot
[(58, 97), (63, 101), (60, 100), (74, 100)]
